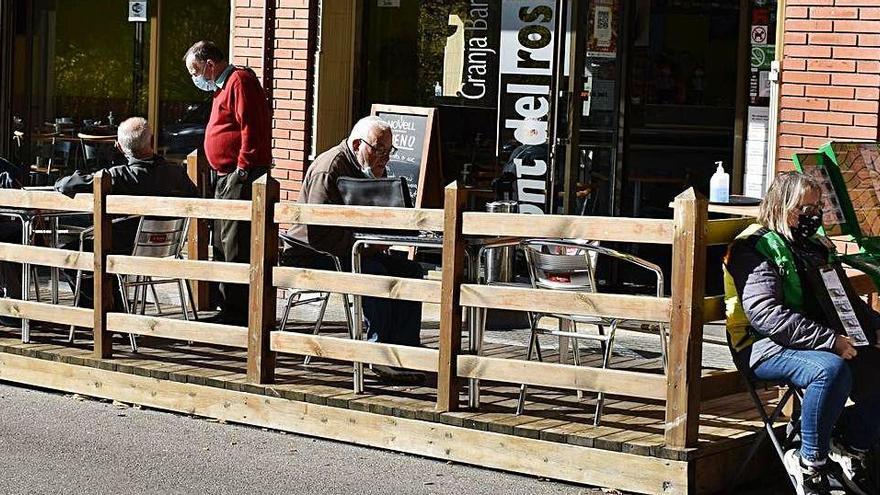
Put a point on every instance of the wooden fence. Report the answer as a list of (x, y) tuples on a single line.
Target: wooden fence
[(684, 311)]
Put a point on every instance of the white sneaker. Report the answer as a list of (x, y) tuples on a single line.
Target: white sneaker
[(808, 480), (853, 467)]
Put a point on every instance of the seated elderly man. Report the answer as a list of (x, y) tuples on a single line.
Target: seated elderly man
[(145, 174), (364, 154)]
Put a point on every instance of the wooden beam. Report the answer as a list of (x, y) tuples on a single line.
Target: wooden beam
[(641, 230), (212, 271), (361, 216), (573, 463), (197, 237), (618, 382), (624, 306), (448, 380), (166, 328), (358, 283), (720, 383), (686, 328), (343, 349), (103, 287), (264, 256), (212, 209), (153, 81), (53, 313), (35, 255), (45, 200)]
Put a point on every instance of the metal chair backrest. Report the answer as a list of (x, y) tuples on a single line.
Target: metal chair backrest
[(571, 265), (159, 237)]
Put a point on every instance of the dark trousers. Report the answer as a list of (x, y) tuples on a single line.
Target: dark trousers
[(390, 321), (232, 241), (10, 273)]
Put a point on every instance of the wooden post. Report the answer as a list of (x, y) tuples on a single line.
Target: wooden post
[(685, 353), (197, 237), (103, 294), (264, 257), (448, 383)]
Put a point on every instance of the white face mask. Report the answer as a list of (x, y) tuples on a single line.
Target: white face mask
[(204, 84)]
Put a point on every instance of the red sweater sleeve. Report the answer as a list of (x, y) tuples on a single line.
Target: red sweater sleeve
[(252, 114)]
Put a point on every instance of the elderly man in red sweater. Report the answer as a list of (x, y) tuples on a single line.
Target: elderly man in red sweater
[(238, 145)]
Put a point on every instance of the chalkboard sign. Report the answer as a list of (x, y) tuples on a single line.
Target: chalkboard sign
[(418, 154)]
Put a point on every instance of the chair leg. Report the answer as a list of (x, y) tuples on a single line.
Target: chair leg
[(191, 299), (606, 361), (182, 292), (155, 296), (123, 293), (76, 294), (35, 278), (319, 322), (534, 346), (290, 299), (663, 345), (349, 319)]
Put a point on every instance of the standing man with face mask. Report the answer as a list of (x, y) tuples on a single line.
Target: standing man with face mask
[(238, 145), (364, 154)]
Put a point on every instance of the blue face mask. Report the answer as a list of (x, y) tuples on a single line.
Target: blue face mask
[(204, 84)]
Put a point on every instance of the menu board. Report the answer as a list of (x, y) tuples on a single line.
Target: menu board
[(417, 155)]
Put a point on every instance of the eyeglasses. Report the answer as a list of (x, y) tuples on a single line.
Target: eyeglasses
[(381, 151), (811, 209)]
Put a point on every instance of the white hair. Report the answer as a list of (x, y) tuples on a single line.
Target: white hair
[(365, 126), (134, 136)]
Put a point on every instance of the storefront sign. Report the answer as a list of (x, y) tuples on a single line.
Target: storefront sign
[(525, 76), (479, 79), (762, 56), (603, 39), (137, 11)]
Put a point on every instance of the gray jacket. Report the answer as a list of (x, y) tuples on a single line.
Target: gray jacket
[(759, 284)]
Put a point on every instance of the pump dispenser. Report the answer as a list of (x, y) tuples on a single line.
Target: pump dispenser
[(719, 185)]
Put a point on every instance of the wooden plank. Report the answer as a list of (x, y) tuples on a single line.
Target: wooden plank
[(522, 455), (197, 239), (620, 382), (358, 283), (261, 300), (724, 231), (344, 349), (211, 209), (448, 378), (720, 383), (641, 230), (34, 255), (685, 353), (45, 200), (63, 315), (167, 328), (213, 271), (360, 216), (628, 307), (103, 245)]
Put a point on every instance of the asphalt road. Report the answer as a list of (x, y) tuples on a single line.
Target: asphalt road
[(52, 443)]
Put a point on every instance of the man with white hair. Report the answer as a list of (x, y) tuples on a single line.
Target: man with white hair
[(363, 154), (145, 174)]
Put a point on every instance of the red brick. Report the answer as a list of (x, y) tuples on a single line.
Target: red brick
[(869, 40), (788, 140), (248, 12), (829, 92), (803, 129), (805, 77), (856, 53), (828, 118), (280, 134), (812, 143), (866, 120), (831, 65), (858, 3), (804, 103), (810, 26), (851, 132), (872, 80), (808, 51), (869, 66), (839, 39), (796, 13), (834, 13), (789, 115), (867, 93), (870, 14), (856, 26), (792, 89), (810, 2), (784, 164), (795, 39), (856, 106)]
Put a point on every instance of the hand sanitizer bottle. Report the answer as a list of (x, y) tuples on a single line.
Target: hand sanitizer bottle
[(438, 89), (719, 185)]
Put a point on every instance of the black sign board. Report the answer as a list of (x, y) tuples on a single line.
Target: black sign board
[(417, 155)]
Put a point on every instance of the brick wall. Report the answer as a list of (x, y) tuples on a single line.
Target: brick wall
[(830, 74), (291, 78)]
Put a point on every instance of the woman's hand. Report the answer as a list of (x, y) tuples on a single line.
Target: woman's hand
[(843, 347)]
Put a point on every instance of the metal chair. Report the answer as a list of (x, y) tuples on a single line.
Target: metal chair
[(155, 238), (97, 151), (296, 296), (570, 266)]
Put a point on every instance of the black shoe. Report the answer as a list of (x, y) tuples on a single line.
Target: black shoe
[(9, 321), (398, 376), (808, 480), (854, 471)]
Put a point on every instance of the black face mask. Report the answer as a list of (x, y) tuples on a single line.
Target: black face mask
[(807, 226)]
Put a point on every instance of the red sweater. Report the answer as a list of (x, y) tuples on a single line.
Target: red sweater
[(239, 133)]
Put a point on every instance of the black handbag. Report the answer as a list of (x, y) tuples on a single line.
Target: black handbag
[(392, 191)]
